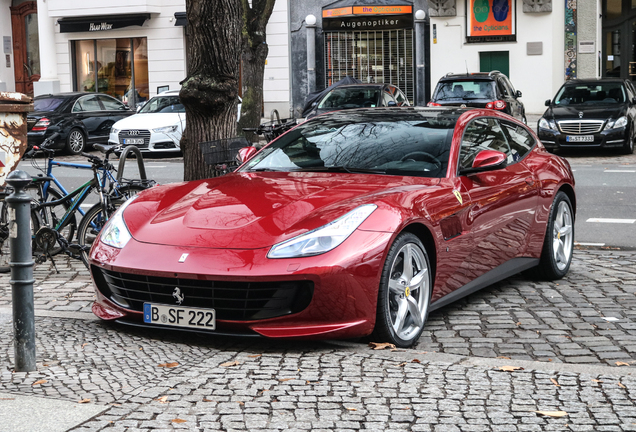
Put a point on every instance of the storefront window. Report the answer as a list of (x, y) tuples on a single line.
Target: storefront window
[(32, 45), (109, 63), (614, 9)]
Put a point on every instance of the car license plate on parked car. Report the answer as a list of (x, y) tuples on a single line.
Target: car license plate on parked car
[(580, 138), (180, 316), (133, 141)]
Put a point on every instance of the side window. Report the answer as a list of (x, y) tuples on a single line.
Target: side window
[(400, 98), (87, 103), (509, 85), (502, 87), (386, 98), (111, 104), (521, 141), (481, 134)]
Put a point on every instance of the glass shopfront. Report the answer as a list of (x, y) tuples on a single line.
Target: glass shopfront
[(118, 67), (619, 39)]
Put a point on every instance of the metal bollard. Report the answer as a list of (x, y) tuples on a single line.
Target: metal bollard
[(21, 272)]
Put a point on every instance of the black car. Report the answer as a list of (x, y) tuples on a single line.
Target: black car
[(492, 90), (590, 113), (78, 119), (359, 96)]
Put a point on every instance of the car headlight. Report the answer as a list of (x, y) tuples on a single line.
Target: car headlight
[(166, 129), (322, 239), (547, 124), (618, 123), (115, 233), (114, 131)]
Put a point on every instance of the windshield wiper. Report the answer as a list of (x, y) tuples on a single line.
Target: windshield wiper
[(269, 169), (337, 168)]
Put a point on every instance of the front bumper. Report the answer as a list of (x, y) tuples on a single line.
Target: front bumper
[(156, 142), (612, 138), (342, 305)]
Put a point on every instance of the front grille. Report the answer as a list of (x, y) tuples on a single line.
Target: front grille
[(581, 127), (235, 301), (136, 133)]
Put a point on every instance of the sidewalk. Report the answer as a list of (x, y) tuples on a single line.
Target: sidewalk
[(558, 338)]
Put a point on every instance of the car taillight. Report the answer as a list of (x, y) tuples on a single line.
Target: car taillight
[(432, 104), (41, 125), (496, 105)]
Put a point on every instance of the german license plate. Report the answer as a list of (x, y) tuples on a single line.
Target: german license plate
[(178, 316), (133, 141), (580, 138)]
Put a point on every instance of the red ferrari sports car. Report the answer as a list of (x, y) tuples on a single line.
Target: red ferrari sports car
[(353, 223)]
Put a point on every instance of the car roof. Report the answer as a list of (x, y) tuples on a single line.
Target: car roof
[(470, 76), (168, 93), (392, 113), (594, 81), (68, 95), (361, 85)]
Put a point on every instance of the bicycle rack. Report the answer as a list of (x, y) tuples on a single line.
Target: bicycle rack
[(122, 163)]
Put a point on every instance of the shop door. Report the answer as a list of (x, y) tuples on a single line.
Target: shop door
[(26, 50), (384, 56), (495, 60)]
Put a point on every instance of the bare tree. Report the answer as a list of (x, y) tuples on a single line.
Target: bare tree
[(209, 92), (255, 50)]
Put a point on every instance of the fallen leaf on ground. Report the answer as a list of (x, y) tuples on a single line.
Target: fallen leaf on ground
[(84, 401), (504, 357), (228, 364), (415, 361), (254, 356), (38, 382), (381, 345), (163, 399), (7, 398), (555, 382), (519, 323), (595, 380), (620, 363), (402, 364), (621, 385), (285, 379), (240, 403), (510, 368), (552, 413), (207, 400), (352, 409), (84, 344), (178, 420), (169, 365)]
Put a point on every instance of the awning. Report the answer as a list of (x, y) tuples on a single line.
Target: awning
[(180, 19), (101, 23), (351, 8)]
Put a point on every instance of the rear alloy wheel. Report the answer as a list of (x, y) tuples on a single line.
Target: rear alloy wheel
[(75, 142), (558, 245), (404, 294)]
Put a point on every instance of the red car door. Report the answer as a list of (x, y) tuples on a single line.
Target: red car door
[(503, 200)]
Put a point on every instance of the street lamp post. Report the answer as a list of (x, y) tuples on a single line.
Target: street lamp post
[(420, 83), (310, 20)]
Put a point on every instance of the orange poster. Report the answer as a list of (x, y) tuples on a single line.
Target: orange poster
[(490, 17)]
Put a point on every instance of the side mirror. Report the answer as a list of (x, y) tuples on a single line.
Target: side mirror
[(391, 104), (313, 104), (548, 102), (245, 153), (518, 94), (486, 160)]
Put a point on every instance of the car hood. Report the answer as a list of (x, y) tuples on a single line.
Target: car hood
[(255, 210), (590, 112), (150, 120)]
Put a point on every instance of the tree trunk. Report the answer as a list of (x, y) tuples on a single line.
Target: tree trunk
[(209, 92), (255, 50)]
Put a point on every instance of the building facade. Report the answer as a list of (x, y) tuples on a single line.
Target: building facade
[(133, 49)]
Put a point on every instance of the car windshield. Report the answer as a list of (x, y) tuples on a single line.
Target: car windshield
[(458, 90), (412, 143), (163, 104), (47, 104), (590, 94), (351, 97)]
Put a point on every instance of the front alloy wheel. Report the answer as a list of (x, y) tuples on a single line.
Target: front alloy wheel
[(405, 292)]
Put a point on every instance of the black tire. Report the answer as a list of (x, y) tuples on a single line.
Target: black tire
[(558, 245), (93, 221), (628, 147), (50, 216), (404, 294), (5, 256), (75, 141)]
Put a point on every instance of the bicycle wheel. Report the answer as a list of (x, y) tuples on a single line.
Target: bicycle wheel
[(51, 216), (94, 220), (5, 256)]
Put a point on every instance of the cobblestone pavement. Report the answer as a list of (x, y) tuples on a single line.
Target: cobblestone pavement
[(571, 345)]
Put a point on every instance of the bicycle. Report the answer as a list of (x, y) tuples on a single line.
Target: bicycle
[(56, 211)]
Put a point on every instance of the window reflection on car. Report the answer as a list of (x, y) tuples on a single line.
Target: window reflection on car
[(602, 93), (163, 104)]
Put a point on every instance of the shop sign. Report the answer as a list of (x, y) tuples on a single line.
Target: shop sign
[(491, 20), (329, 13), (101, 23), (367, 10), (369, 23)]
